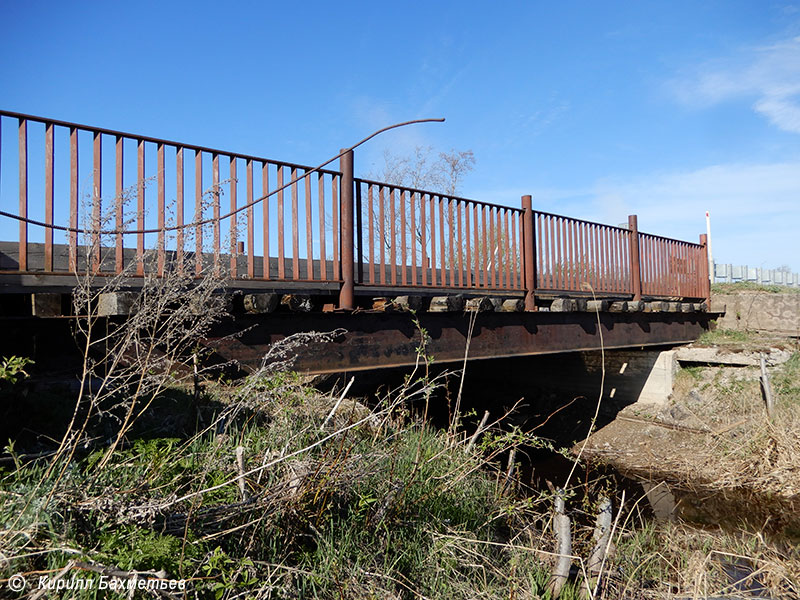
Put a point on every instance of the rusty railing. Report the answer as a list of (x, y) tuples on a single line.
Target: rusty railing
[(287, 222), (117, 199), (411, 237)]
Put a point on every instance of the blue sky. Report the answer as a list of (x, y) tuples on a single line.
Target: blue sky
[(597, 109)]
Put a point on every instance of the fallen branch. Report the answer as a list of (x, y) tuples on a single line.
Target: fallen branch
[(602, 534), (240, 468), (338, 402), (478, 431)]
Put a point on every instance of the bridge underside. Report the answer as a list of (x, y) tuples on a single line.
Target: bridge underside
[(366, 340), (370, 341)]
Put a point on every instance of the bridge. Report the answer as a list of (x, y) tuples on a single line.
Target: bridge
[(306, 248)]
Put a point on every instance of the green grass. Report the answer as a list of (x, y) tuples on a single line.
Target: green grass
[(389, 508), (750, 286), (786, 381), (724, 336)]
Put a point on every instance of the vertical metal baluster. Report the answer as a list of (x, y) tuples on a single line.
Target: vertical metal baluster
[(251, 266), (280, 209), (73, 199), (358, 233), (22, 255), (412, 203), (265, 219), (614, 259), (393, 243), (323, 251), (179, 208), (451, 228), (539, 233), (198, 212), (233, 223), (561, 245), (476, 227), (432, 207), (97, 198), (309, 234), (423, 239), (161, 210), (520, 264), (215, 197), (460, 244), (487, 252), (403, 241), (140, 207), (442, 245), (467, 245), (295, 228), (507, 249), (48, 197), (382, 232), (499, 255), (335, 218), (119, 207), (371, 230)]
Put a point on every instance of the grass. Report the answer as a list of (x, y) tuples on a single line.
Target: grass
[(718, 337), (750, 286), (374, 505)]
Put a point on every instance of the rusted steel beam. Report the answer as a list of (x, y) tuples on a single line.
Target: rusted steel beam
[(388, 340)]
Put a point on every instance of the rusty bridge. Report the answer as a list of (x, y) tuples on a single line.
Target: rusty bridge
[(314, 249)]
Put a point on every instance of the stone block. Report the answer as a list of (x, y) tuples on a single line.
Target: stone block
[(114, 304), (260, 303), (563, 305)]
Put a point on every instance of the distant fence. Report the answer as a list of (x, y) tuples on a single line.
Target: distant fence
[(736, 273)]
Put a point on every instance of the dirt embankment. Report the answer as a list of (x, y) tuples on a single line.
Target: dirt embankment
[(712, 443)]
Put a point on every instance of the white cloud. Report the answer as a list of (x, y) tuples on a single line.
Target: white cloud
[(770, 74), (755, 208)]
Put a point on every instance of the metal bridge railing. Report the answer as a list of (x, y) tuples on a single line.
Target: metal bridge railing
[(77, 187)]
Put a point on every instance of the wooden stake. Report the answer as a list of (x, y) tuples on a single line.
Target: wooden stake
[(766, 388)]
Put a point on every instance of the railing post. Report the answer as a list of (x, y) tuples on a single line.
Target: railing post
[(346, 294), (705, 279), (529, 254), (636, 272)]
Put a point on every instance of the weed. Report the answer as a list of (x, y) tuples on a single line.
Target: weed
[(723, 336), (751, 286), (13, 368)]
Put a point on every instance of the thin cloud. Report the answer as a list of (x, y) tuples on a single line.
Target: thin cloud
[(755, 208), (770, 74)]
